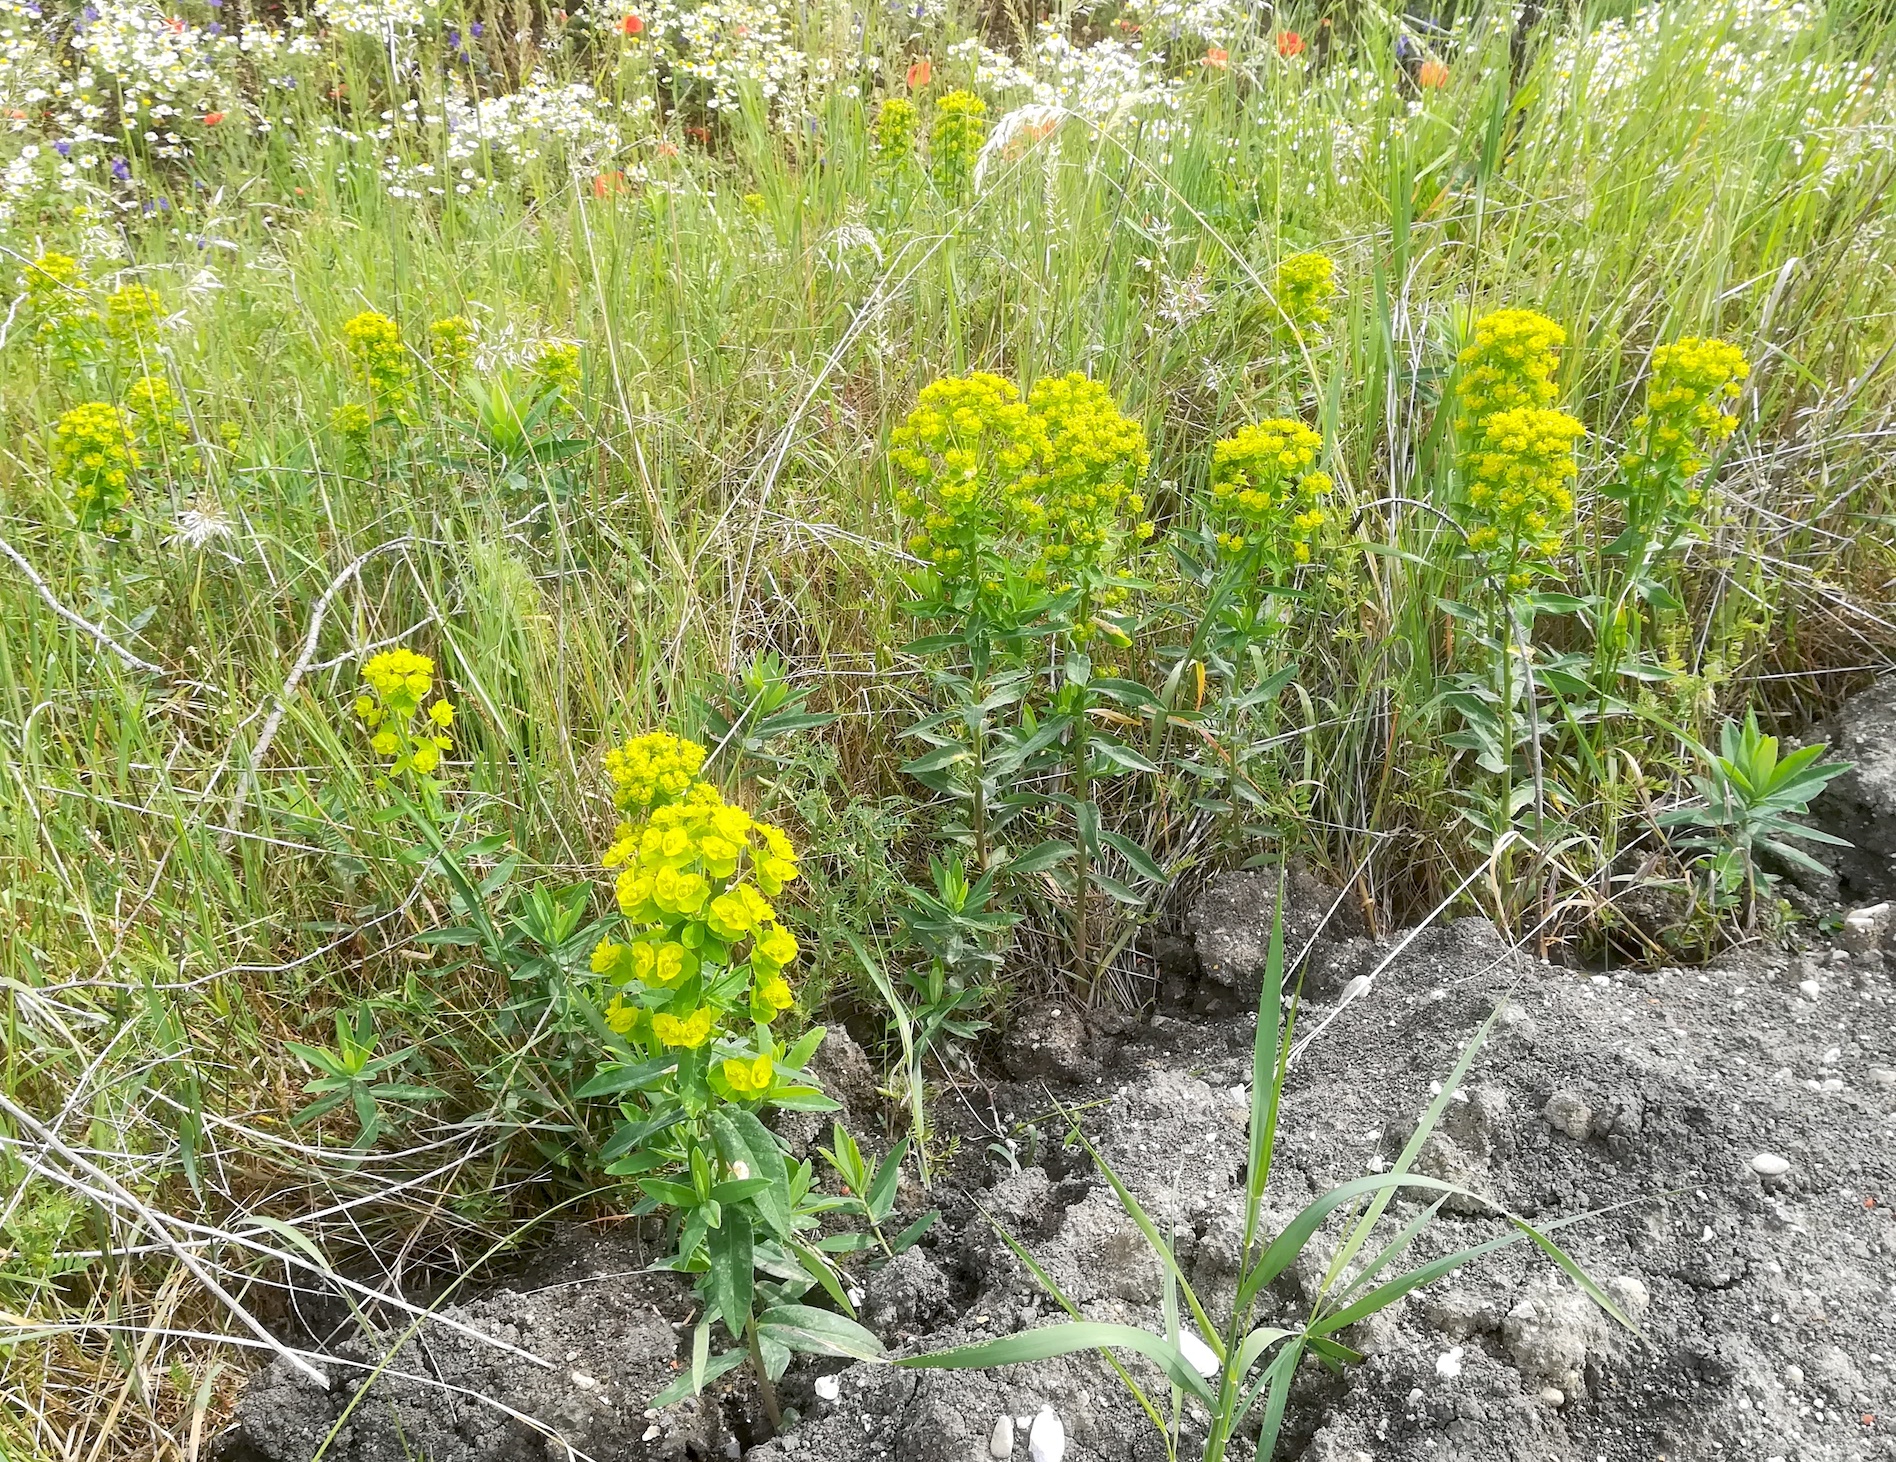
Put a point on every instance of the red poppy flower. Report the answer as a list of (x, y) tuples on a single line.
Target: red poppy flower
[(632, 25), (610, 182), (1289, 44), (211, 119), (1217, 56), (920, 73)]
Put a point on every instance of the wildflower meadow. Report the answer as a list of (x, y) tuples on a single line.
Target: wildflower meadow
[(548, 557)]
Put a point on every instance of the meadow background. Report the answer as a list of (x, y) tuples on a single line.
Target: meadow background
[(199, 868)]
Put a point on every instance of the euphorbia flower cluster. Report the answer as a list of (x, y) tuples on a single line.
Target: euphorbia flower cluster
[(701, 943)]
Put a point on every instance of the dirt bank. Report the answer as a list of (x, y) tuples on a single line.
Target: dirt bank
[(1764, 1296)]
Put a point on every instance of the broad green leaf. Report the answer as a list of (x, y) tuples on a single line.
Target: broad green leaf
[(742, 1138), (1064, 1338), (1041, 856), (613, 1078), (1143, 863), (731, 1269), (818, 1332), (907, 1238), (683, 1386)]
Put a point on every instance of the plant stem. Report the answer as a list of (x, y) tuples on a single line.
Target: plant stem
[(1083, 792), (766, 1391)]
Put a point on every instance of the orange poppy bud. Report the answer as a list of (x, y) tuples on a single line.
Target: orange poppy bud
[(1217, 56), (920, 73), (1433, 75), (1289, 44)]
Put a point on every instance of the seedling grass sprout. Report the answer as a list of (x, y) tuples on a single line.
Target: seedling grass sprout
[(1238, 1368)]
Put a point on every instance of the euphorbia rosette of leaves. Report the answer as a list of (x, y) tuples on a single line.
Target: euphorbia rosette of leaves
[(1267, 499), (700, 950)]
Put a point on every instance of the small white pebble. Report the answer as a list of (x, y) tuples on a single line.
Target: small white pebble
[(1770, 1165), (828, 1388), (1198, 1355), (1553, 1396), (1001, 1439), (1046, 1438), (651, 1434), (1794, 1375), (1810, 989), (1449, 1366), (583, 1381)]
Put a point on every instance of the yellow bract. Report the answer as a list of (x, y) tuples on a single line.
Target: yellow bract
[(1266, 498), (1304, 283), (689, 1031), (93, 454), (749, 1077), (399, 681)]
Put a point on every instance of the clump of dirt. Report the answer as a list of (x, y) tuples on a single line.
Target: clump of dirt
[(564, 1365), (1749, 1108)]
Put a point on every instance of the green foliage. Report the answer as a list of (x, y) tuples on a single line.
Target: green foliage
[(1751, 796), (961, 937), (352, 1075)]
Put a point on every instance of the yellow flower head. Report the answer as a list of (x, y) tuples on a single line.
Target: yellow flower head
[(452, 345), (374, 344), (1693, 382), (749, 1078), (94, 456), (132, 314), (398, 682), (960, 457), (1266, 494), (1305, 283), (652, 770), (556, 367), (351, 421), (1510, 364), (1517, 476), (689, 1031), (955, 138), (55, 283), (895, 130), (1090, 461)]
